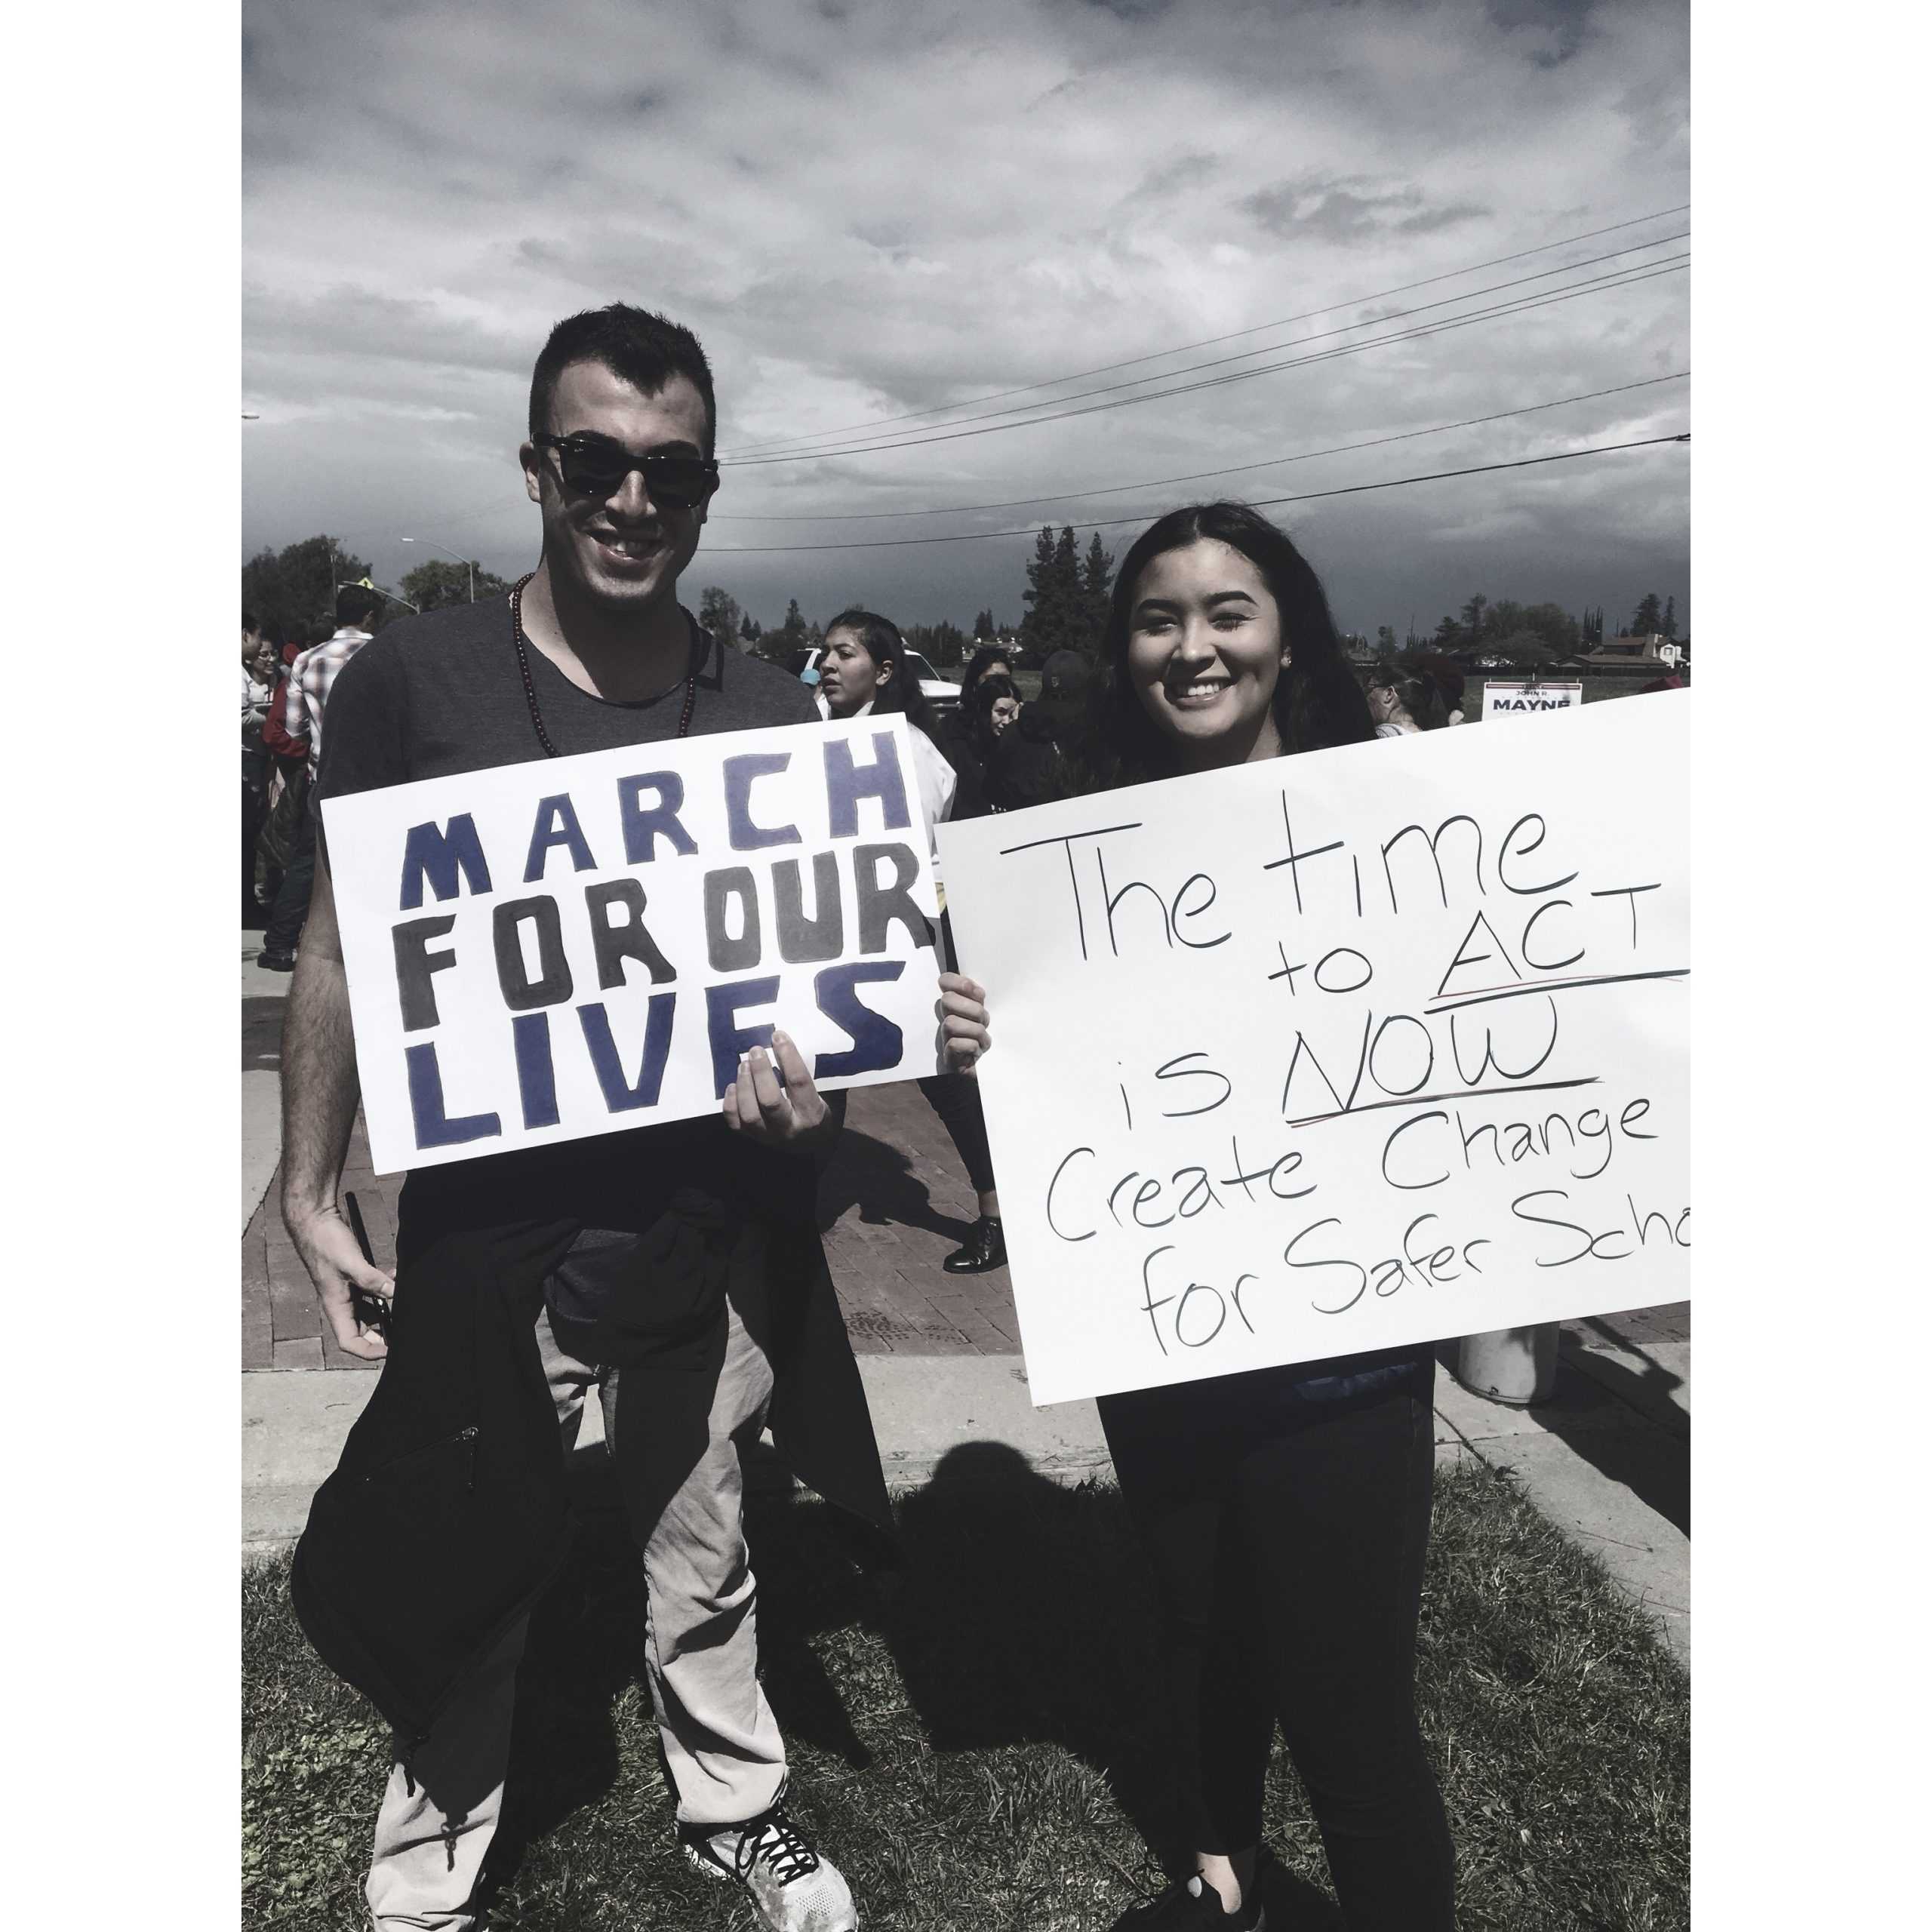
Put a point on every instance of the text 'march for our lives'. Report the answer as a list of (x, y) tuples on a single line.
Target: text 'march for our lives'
[(542, 952), (1361, 1047)]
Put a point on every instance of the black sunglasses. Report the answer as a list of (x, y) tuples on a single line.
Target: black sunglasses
[(593, 465)]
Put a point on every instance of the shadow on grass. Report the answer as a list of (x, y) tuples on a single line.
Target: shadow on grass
[(978, 1736), (1020, 1613)]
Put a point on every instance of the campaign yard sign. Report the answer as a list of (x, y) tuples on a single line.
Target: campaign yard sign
[(1501, 700), (541, 952), (1365, 1046)]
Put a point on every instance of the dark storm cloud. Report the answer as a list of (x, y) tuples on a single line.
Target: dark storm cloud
[(1340, 210), (874, 208), (1560, 24)]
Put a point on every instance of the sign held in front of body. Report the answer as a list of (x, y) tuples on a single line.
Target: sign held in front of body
[(1335, 1052), (539, 952)]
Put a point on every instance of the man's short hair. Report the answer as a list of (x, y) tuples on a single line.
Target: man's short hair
[(248, 622), (353, 604), (647, 350)]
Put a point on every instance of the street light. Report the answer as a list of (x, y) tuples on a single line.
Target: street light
[(463, 561)]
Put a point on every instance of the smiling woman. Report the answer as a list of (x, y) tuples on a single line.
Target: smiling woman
[(1286, 1510), (1220, 648)]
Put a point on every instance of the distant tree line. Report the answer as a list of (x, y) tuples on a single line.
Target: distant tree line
[(292, 590), (1527, 635), (943, 645)]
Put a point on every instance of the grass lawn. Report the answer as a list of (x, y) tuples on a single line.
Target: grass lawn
[(977, 1740)]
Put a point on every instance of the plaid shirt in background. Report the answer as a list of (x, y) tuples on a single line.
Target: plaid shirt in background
[(310, 679)]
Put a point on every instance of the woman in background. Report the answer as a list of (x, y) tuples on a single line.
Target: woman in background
[(956, 736), (862, 671), (973, 735)]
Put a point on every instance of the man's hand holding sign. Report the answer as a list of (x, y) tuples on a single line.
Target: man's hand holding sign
[(790, 1113)]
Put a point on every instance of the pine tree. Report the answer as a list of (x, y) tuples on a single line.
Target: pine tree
[(1668, 626), (780, 642), (717, 613), (1096, 594), (1051, 595), (1066, 588), (1649, 617)]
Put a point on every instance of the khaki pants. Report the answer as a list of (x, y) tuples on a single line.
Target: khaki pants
[(727, 1758)]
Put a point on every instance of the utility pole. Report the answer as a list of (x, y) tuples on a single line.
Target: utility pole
[(446, 551)]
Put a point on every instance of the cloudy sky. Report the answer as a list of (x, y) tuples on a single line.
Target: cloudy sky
[(878, 214)]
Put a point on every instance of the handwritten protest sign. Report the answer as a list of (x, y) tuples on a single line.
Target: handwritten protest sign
[(580, 945), (1330, 1053)]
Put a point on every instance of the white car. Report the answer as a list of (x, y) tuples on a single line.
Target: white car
[(939, 694)]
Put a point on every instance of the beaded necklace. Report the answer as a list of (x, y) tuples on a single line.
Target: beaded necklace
[(530, 688)]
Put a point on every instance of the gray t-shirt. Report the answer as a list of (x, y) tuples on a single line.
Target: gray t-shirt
[(661, 1208), (441, 694)]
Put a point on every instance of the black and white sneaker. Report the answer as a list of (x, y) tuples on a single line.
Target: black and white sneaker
[(794, 1889), (1191, 1905)]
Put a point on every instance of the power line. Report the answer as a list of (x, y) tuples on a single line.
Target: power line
[(1212, 341), (1221, 361), (1260, 502), (1198, 475), (1521, 305)]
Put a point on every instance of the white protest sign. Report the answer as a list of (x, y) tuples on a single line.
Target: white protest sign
[(577, 946), (1500, 699), (1330, 1053)]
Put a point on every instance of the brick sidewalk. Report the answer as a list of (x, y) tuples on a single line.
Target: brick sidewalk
[(894, 1202)]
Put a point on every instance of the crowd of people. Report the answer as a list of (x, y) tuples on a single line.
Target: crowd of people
[(284, 684), (678, 1269)]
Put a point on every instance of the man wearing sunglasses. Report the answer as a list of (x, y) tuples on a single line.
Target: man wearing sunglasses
[(678, 1267)]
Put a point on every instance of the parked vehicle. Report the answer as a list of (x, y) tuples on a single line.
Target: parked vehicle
[(938, 693)]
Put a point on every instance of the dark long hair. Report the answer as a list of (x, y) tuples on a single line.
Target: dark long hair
[(1417, 691), (987, 653), (1317, 701), (978, 710), (884, 646)]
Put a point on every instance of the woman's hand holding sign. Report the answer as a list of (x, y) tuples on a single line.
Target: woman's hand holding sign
[(962, 1016), (794, 1115)]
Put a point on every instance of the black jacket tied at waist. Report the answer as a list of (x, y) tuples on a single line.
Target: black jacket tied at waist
[(446, 1517)]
